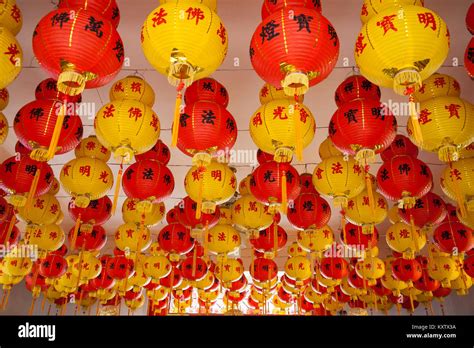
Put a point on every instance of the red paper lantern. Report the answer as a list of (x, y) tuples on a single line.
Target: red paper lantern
[(52, 266), (103, 281), (334, 267), (355, 281), (270, 6), (469, 266), (48, 90), (451, 214), (453, 237), (442, 292), (290, 45), (6, 210), (93, 240), (78, 47), (469, 58), (401, 145), (62, 251), (426, 283), (339, 296), (131, 295), (470, 19), (186, 215), (238, 285), (35, 122), (106, 8), (306, 184), (175, 239), (406, 270), (381, 290), (119, 267), (206, 127), (193, 270), (12, 237), (98, 212), (263, 157), (207, 89), (148, 180), (266, 239), (172, 280), (172, 215), (160, 152), (354, 236), (356, 87), (22, 150), (263, 270), (309, 210), (17, 176), (266, 183), (362, 124), (428, 210), (404, 178)]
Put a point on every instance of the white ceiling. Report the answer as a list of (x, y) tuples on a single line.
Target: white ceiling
[(241, 18)]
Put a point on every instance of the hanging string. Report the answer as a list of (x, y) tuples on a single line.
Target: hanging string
[(177, 113)]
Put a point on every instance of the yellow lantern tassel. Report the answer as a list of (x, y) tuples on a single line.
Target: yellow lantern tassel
[(275, 239), (412, 305), (75, 232), (459, 196), (299, 136), (5, 302), (413, 234), (206, 229), (199, 201), (417, 134), (343, 226), (370, 190), (177, 113), (194, 261), (117, 188), (57, 132), (12, 223), (284, 193), (32, 307), (34, 186)]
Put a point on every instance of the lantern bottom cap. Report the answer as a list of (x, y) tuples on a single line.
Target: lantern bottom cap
[(124, 154), (295, 83), (406, 80), (283, 155), (340, 201), (145, 206), (202, 159), (17, 200), (448, 153), (40, 154), (208, 207), (365, 156), (81, 201), (71, 82)]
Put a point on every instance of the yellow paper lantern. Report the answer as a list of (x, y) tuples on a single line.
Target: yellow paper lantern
[(314, 297), (211, 185), (3, 128), (244, 185), (298, 268), (131, 214), (269, 93), (92, 147), (139, 279), (157, 267), (276, 302), (281, 127), (44, 210), (437, 85), (462, 284), (158, 294), (133, 88), (340, 179), (86, 179), (47, 237), (358, 211), (17, 266), (467, 152), (371, 8), (444, 269), (4, 98), (401, 46), (11, 61), (86, 266), (405, 239), (208, 296), (457, 182), (446, 125), (294, 249), (370, 268), (229, 270), (222, 239), (127, 127), (332, 305), (206, 282), (10, 16), (467, 219), (347, 289), (327, 149), (316, 240), (225, 217), (251, 216), (133, 238)]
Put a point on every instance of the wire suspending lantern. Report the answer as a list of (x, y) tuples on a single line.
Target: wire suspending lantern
[(445, 119), (185, 41), (396, 27), (84, 51)]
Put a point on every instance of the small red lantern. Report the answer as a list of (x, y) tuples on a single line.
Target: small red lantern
[(106, 8), (428, 210), (22, 150), (98, 212), (275, 183), (53, 266), (186, 215), (404, 178), (263, 157), (239, 285), (469, 58), (172, 280), (148, 180), (334, 267), (206, 129), (92, 240), (62, 251), (263, 270), (193, 269), (406, 270), (306, 184), (469, 266), (6, 210), (470, 19), (339, 296), (207, 89), (12, 237), (119, 267), (401, 145), (175, 239), (357, 282), (103, 281), (48, 90), (265, 242), (426, 283), (309, 210), (160, 152), (381, 290), (354, 236), (172, 215), (356, 87), (453, 237)]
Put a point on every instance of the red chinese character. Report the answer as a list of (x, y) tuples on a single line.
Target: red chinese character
[(131, 205), (350, 204), (12, 51), (154, 122), (108, 111), (364, 11), (278, 112), (252, 206), (238, 208), (39, 203), (118, 87), (53, 235), (404, 233), (439, 82), (103, 176), (66, 169), (422, 88), (222, 34), (337, 168), (257, 119), (233, 182), (54, 208), (427, 19), (453, 110), (303, 115), (85, 170), (365, 200), (318, 173), (357, 169), (360, 45), (129, 233), (136, 87), (390, 236), (424, 116), (381, 203), (159, 17), (454, 173), (235, 238), (16, 14), (227, 268), (196, 175), (195, 13), (90, 145), (135, 113), (216, 175), (387, 24), (264, 91)]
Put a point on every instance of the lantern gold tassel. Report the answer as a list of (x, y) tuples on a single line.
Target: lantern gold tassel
[(12, 223), (284, 193), (299, 136), (370, 190), (34, 186), (117, 188), (177, 113), (448, 153), (57, 132), (75, 232), (199, 201), (194, 261), (417, 134), (275, 239)]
